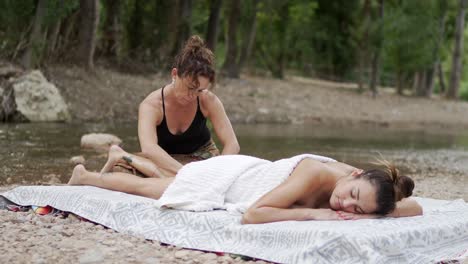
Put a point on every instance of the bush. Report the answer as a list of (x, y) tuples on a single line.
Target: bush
[(464, 92)]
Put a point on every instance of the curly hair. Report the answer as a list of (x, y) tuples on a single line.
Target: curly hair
[(194, 60)]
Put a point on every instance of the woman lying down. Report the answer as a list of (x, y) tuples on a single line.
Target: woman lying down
[(304, 187)]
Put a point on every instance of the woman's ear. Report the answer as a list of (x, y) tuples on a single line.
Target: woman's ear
[(356, 172), (174, 72)]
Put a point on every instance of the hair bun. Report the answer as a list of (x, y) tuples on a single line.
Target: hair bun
[(405, 186), (195, 59), (194, 44)]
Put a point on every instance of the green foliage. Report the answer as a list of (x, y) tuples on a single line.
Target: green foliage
[(302, 15), (313, 37), (332, 39), (200, 17), (284, 35), (409, 46), (464, 91), (14, 18), (18, 16), (59, 9)]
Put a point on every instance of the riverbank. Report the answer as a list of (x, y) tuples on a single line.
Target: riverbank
[(108, 95), (111, 96)]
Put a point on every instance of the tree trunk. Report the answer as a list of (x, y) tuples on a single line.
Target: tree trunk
[(111, 33), (440, 38), (165, 19), (376, 56), (284, 15), (135, 27), (422, 83), (400, 84), (213, 24), (230, 66), (247, 45), (53, 37), (416, 80), (457, 65), (69, 32), (36, 42), (89, 20), (430, 76), (183, 25), (440, 72), (363, 45)]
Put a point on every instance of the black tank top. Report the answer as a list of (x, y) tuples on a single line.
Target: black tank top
[(188, 142)]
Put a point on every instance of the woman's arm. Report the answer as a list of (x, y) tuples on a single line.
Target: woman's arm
[(275, 205), (406, 207), (213, 109), (271, 214), (148, 117)]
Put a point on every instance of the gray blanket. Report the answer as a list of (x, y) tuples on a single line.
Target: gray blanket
[(440, 234)]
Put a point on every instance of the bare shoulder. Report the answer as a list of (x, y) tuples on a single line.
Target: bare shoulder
[(339, 166), (209, 102), (208, 98), (153, 99), (310, 170), (151, 107)]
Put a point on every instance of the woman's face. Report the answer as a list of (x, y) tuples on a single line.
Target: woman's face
[(187, 88), (354, 195), (192, 90)]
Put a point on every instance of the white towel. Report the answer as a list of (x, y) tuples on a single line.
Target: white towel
[(231, 182)]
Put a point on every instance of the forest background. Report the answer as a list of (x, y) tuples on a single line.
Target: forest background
[(415, 46)]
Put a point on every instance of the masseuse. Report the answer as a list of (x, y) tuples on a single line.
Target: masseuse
[(172, 121)]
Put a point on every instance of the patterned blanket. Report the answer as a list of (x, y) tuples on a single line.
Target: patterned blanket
[(440, 235)]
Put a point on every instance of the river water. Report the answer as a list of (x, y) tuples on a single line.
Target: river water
[(32, 152)]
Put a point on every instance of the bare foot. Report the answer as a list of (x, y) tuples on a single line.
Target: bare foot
[(116, 154), (78, 171)]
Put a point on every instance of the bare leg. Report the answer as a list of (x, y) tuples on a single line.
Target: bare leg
[(123, 182), (145, 166)]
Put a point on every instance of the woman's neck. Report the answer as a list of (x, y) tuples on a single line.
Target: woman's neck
[(175, 96), (337, 174)]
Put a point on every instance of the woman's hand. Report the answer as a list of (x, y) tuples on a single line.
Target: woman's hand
[(353, 216), (329, 214)]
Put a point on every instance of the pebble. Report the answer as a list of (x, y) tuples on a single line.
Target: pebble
[(37, 259), (226, 259), (66, 234), (91, 256), (77, 160), (208, 256), (181, 254), (126, 244), (109, 242), (57, 228), (151, 260)]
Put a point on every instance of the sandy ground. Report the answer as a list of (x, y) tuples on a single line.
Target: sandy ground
[(28, 238), (107, 95)]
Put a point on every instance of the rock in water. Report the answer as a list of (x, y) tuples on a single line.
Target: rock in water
[(77, 160), (99, 141), (39, 100)]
